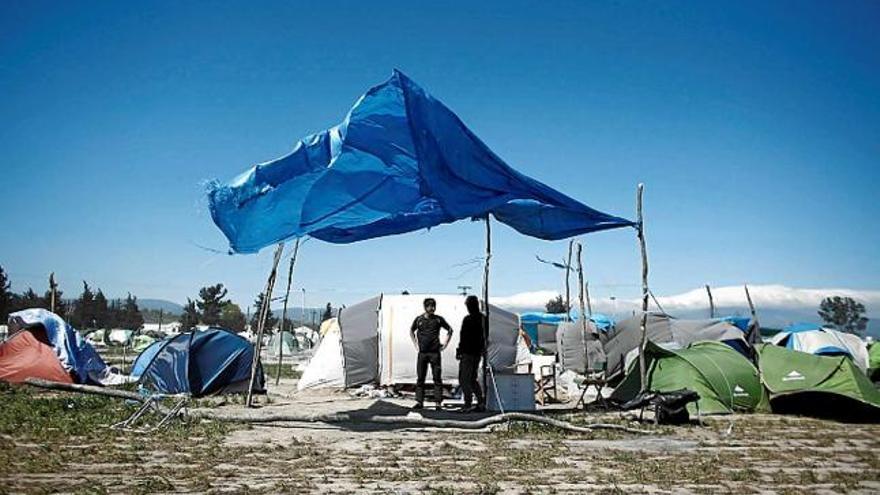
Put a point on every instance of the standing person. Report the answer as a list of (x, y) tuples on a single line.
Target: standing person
[(425, 334), (470, 350)]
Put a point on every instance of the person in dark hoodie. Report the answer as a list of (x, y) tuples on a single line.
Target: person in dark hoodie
[(470, 350)]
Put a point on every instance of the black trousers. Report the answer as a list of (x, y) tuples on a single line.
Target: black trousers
[(424, 359), (467, 378)]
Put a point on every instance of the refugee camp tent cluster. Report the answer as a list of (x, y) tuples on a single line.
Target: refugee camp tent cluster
[(713, 358), (541, 328), (287, 343), (42, 345), (370, 343)]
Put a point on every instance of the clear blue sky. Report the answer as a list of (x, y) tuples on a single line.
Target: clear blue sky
[(756, 129)]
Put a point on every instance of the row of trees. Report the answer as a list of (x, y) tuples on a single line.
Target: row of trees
[(91, 309), (212, 308)]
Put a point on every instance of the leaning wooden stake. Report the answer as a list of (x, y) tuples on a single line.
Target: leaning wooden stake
[(711, 302), (264, 313), (754, 335), (581, 300), (567, 281), (644, 339), (284, 311), (486, 313)]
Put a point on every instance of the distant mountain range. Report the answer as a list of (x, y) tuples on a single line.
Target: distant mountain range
[(157, 304)]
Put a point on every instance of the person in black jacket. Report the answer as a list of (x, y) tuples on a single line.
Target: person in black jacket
[(425, 333), (470, 350)]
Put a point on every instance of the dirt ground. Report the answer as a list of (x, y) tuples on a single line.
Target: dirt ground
[(58, 442)]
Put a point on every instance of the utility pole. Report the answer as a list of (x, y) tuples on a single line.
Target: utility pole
[(464, 289), (53, 287)]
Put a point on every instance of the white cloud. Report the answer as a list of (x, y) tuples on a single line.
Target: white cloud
[(764, 296)]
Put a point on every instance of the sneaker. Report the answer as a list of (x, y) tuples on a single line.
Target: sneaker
[(418, 405)]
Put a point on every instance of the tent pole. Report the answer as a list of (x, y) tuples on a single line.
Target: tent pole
[(711, 302), (581, 299), (284, 311), (567, 281), (264, 313), (644, 323), (754, 334), (52, 289), (486, 314)]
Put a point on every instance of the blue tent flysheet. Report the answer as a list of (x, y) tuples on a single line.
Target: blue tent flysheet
[(400, 161)]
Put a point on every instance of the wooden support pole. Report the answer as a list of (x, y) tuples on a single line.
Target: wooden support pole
[(754, 334), (589, 304), (486, 312), (567, 281), (582, 301), (711, 302), (284, 311), (644, 337), (261, 323), (53, 287)]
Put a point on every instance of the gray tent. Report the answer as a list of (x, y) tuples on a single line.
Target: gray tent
[(376, 346), (664, 329), (573, 344)]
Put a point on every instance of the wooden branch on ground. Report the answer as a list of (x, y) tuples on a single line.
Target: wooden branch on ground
[(417, 421), (347, 418), (85, 389)]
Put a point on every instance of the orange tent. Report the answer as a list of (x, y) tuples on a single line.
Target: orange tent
[(25, 355)]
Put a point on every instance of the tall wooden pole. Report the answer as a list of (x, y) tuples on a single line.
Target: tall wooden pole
[(486, 313), (581, 299), (567, 281), (589, 304), (711, 302), (754, 334), (264, 313), (302, 314), (284, 311), (644, 324)]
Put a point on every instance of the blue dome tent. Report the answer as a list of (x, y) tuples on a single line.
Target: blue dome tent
[(198, 363)]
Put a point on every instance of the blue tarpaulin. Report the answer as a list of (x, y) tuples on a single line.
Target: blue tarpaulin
[(400, 161)]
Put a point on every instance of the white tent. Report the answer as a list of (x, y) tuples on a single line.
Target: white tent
[(285, 343), (374, 344), (325, 369), (824, 341), (120, 336)]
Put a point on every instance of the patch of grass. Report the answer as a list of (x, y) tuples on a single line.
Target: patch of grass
[(287, 371)]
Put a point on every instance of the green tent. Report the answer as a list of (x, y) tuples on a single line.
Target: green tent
[(822, 386), (874, 361), (284, 343), (725, 380)]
